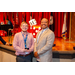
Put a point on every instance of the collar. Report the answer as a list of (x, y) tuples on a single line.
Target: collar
[(44, 29), (24, 33)]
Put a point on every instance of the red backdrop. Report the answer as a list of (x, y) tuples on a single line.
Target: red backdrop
[(57, 16)]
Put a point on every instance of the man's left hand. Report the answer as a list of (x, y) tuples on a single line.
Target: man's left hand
[(36, 54)]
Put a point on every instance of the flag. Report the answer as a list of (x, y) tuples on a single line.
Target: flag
[(17, 20), (51, 23), (64, 28)]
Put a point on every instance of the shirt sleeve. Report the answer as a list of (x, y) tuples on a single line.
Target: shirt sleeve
[(15, 44)]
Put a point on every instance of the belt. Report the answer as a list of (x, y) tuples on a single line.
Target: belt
[(24, 55)]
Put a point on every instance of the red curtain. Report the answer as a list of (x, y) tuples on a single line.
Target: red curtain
[(58, 18)]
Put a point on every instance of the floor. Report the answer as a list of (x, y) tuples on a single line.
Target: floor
[(63, 45)]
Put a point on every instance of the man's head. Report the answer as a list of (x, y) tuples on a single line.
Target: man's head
[(24, 26), (44, 23)]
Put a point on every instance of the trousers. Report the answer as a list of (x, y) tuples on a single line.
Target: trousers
[(24, 59)]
